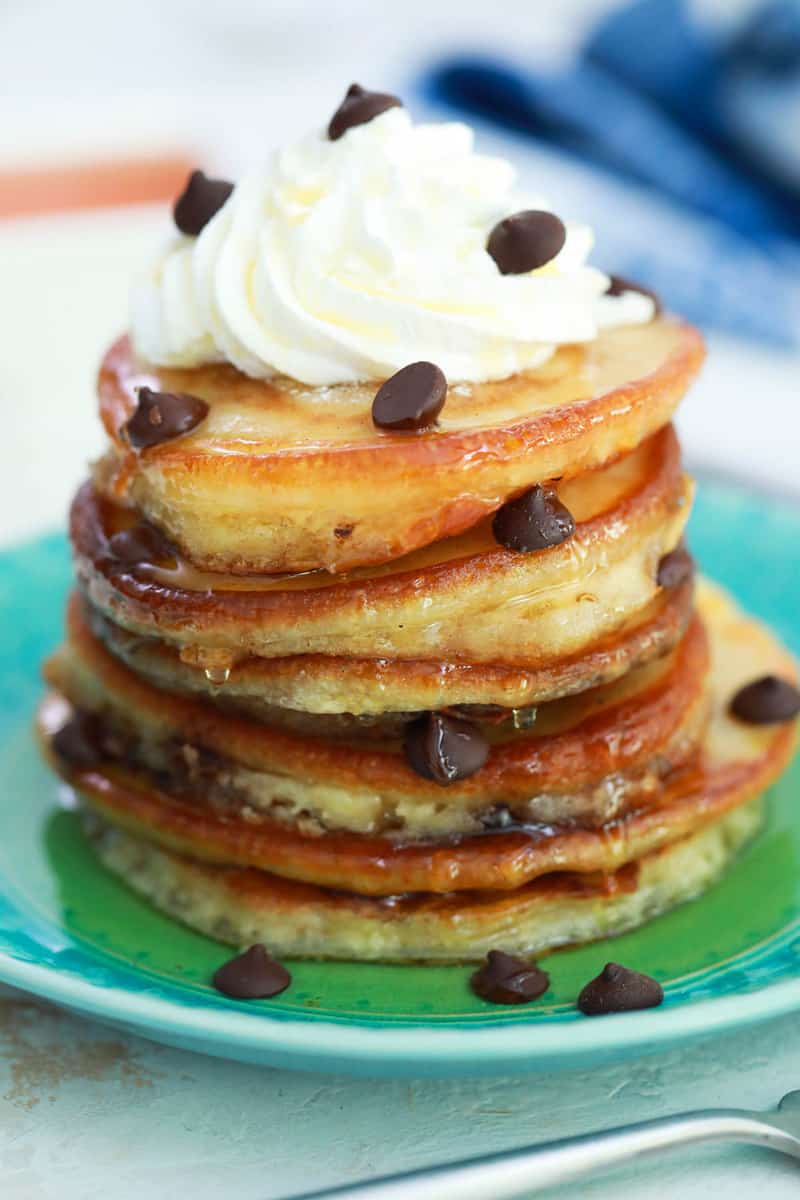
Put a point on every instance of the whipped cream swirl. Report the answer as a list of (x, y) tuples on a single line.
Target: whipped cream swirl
[(344, 261)]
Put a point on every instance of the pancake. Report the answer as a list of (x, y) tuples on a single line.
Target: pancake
[(588, 758), (285, 477), (269, 688), (735, 764), (295, 920), (464, 600)]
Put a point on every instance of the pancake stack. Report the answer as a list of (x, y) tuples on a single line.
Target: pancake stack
[(409, 669)]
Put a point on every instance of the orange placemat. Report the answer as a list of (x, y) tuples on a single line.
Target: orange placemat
[(92, 185)]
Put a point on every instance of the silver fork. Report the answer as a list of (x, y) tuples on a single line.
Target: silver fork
[(508, 1176)]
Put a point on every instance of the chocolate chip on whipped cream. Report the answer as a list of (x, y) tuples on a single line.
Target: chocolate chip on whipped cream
[(619, 286), (536, 520), (162, 416), (526, 240), (444, 749), (618, 989), (766, 701), (252, 975), (411, 399), (506, 979), (358, 107), (346, 259), (200, 200)]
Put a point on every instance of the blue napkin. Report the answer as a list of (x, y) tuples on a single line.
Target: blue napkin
[(692, 139)]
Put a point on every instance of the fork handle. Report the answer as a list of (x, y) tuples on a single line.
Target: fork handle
[(507, 1176)]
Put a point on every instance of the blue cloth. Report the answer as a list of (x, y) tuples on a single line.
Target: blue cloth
[(692, 139)]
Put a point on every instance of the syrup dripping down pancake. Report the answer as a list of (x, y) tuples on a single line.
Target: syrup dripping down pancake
[(267, 688), (587, 758), (735, 764)]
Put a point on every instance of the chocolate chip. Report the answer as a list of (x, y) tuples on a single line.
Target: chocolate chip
[(411, 399), (199, 201), (675, 568), (444, 749), (161, 416), (142, 544), (343, 531), (766, 701), (252, 975), (525, 241), (534, 521), (616, 989), (618, 285), (79, 741), (358, 107), (504, 979)]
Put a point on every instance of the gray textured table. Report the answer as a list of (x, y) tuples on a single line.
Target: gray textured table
[(87, 1113)]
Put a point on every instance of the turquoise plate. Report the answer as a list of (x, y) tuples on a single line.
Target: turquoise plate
[(74, 934)]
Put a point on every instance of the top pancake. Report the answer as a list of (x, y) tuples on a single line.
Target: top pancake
[(285, 477)]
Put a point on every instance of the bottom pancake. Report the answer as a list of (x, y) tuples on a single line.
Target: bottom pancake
[(246, 906)]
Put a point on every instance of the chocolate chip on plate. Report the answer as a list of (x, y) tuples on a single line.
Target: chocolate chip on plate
[(444, 749), (200, 200), (411, 399), (618, 285), (358, 107), (534, 521), (161, 416), (766, 701), (675, 568), (525, 241), (505, 979), (617, 989), (142, 544), (252, 975), (79, 741)]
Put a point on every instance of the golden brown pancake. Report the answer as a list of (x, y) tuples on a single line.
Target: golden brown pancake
[(587, 759), (285, 477), (297, 920), (265, 688), (463, 600), (736, 763)]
